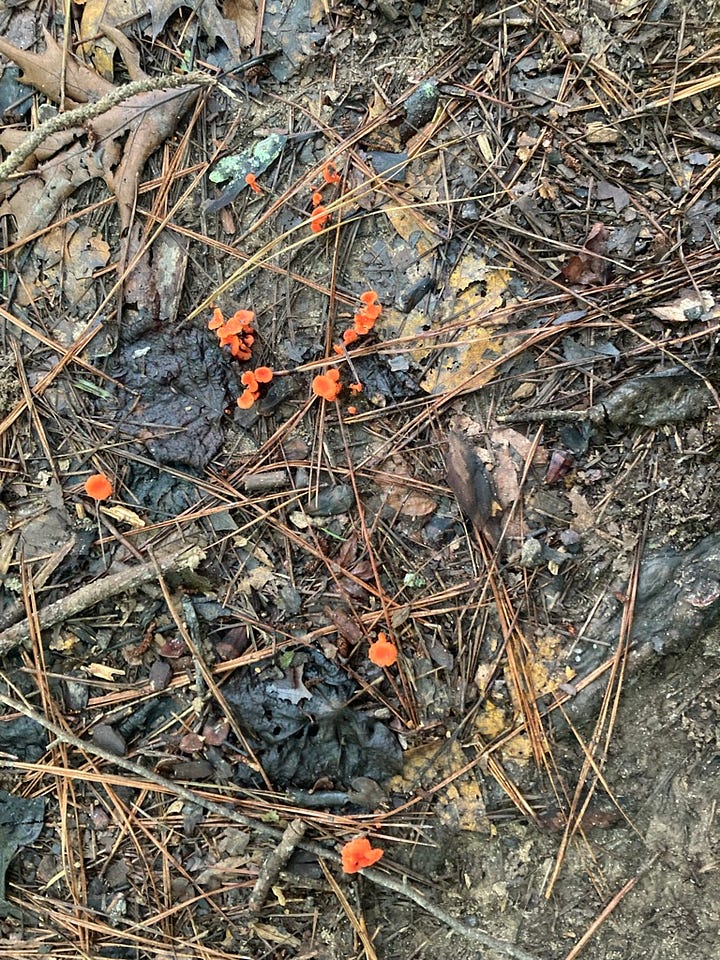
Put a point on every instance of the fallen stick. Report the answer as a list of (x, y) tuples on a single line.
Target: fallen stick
[(185, 557), (293, 834)]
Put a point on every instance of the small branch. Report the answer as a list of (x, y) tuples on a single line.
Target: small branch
[(88, 111), (185, 557), (468, 933), (293, 834)]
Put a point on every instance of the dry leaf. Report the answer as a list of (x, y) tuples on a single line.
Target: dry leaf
[(211, 20), (589, 267), (470, 482), (244, 14), (143, 122), (216, 734), (348, 628), (103, 671), (191, 743), (468, 362), (404, 497), (98, 49), (65, 259), (688, 305), (584, 513)]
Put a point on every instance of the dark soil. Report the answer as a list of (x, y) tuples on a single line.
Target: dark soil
[(523, 496)]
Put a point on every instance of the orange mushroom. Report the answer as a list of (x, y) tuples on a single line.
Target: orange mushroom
[(330, 173), (358, 854), (327, 385), (383, 652), (99, 487), (251, 181), (246, 399), (318, 218)]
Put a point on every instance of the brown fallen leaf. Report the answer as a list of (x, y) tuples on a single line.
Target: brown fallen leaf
[(244, 14), (400, 491), (99, 49), (589, 267), (144, 121), (471, 483), (212, 21), (66, 258), (348, 628)]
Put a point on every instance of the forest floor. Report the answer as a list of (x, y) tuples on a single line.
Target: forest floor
[(458, 263)]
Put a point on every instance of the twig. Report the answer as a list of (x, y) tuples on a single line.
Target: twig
[(185, 557), (469, 933), (594, 415), (88, 111), (293, 834)]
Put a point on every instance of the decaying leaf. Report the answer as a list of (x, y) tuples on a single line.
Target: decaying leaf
[(470, 482), (144, 121), (99, 49), (232, 30), (470, 348), (589, 267), (402, 494), (348, 628), (244, 14), (65, 259), (689, 305)]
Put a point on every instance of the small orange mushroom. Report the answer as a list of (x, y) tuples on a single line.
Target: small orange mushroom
[(249, 380), (330, 173), (327, 385), (99, 487), (264, 374), (383, 652), (251, 181), (246, 399), (358, 854), (369, 296), (318, 218)]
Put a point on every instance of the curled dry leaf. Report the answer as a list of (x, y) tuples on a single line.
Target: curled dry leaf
[(470, 482), (348, 628), (589, 266)]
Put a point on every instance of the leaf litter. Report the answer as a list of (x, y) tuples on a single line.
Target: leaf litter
[(556, 291)]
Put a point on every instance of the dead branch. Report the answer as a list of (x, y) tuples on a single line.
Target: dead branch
[(293, 834), (185, 557), (88, 111)]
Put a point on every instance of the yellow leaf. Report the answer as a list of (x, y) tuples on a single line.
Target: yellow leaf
[(470, 359), (97, 48), (410, 228)]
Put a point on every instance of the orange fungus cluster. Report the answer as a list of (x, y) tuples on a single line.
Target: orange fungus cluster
[(364, 319), (358, 854), (383, 652), (252, 381), (319, 216), (237, 332), (327, 385)]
